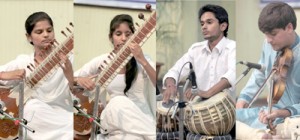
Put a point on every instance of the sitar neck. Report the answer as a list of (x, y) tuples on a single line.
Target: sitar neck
[(50, 63), (120, 59)]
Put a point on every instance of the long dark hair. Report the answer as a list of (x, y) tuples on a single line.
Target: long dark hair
[(131, 66)]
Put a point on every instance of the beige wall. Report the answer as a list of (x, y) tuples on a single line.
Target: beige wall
[(92, 28), (249, 38), (13, 14)]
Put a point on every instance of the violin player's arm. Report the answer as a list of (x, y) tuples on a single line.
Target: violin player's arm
[(292, 110), (281, 113)]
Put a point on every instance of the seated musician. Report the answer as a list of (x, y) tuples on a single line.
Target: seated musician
[(130, 112), (278, 22), (213, 60), (48, 106)]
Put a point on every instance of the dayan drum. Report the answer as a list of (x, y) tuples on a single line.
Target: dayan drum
[(214, 116), (8, 129), (164, 122)]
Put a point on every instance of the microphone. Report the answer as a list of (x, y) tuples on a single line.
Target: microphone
[(253, 65), (157, 90), (76, 101), (194, 89), (2, 105)]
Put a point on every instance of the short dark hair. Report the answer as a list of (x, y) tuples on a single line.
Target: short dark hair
[(276, 15), (219, 12)]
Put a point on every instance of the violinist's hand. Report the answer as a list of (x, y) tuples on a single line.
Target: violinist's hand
[(279, 113), (241, 104), (13, 75), (86, 82), (264, 117)]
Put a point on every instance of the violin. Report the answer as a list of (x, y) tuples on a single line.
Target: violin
[(280, 69)]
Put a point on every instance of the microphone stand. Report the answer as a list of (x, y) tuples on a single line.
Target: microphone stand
[(181, 105), (93, 118), (95, 113), (242, 76), (21, 107), (17, 121)]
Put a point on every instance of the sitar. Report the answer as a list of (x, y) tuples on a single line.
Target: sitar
[(111, 67), (8, 128)]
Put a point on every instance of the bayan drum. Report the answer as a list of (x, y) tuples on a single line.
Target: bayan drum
[(164, 122), (191, 136), (214, 116)]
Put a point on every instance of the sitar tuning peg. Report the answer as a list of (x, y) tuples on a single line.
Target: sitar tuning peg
[(68, 30), (110, 57), (112, 54), (32, 65), (148, 7), (102, 66), (71, 24), (63, 32), (137, 24), (141, 16), (105, 62), (28, 67), (56, 43), (36, 61)]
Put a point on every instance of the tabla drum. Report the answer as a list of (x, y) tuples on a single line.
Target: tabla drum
[(164, 122), (191, 136), (214, 116), (8, 129)]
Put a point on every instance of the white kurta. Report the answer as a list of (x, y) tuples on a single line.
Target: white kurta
[(209, 65), (49, 109), (126, 117)]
